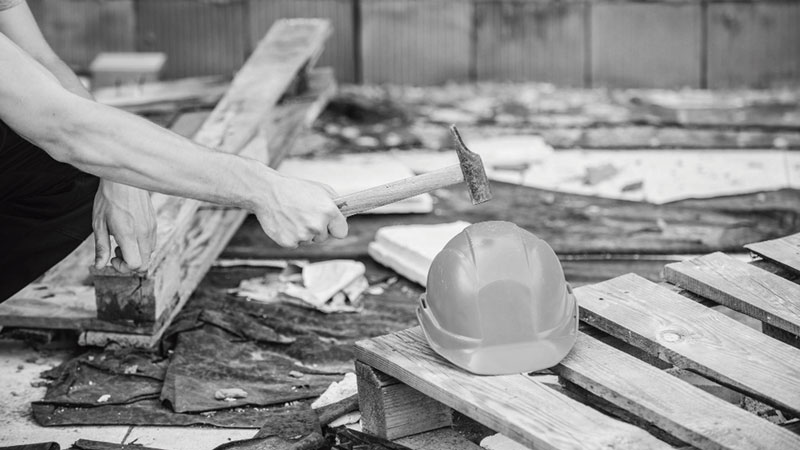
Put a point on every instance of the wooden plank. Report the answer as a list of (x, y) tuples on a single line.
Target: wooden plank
[(392, 410), (339, 50), (200, 38), (693, 337), (753, 44), (254, 91), (785, 252), (741, 287), (212, 228), (686, 412), (646, 44), (419, 42), (515, 405), (524, 41)]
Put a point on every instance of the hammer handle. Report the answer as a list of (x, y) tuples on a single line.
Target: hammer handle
[(395, 191)]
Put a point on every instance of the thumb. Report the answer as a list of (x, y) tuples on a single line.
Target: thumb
[(102, 245), (337, 227)]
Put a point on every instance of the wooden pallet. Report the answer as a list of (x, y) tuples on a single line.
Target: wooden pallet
[(668, 321)]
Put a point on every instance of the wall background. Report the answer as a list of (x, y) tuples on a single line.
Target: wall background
[(582, 43)]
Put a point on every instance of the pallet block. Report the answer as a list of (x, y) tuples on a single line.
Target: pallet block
[(392, 410)]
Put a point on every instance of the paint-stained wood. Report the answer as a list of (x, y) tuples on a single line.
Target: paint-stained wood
[(741, 287), (785, 252), (199, 37), (753, 43), (339, 50), (80, 29), (647, 44), (684, 411), (392, 410), (515, 405), (418, 42), (694, 337), (523, 41)]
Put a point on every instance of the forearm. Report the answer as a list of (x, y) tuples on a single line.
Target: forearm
[(121, 147), (64, 74)]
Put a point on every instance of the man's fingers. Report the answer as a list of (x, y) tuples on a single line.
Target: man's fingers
[(102, 245), (338, 227), (130, 252)]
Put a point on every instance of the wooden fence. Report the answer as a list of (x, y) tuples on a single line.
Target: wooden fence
[(618, 43)]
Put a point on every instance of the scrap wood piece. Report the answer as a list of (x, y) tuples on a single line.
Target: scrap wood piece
[(294, 418), (742, 287), (237, 118), (85, 444), (139, 97), (515, 405), (211, 229), (693, 337), (684, 411), (784, 252), (410, 249)]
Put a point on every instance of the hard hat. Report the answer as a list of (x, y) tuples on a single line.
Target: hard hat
[(498, 303)]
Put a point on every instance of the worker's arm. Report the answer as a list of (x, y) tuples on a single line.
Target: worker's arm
[(121, 147), (18, 24), (115, 203)]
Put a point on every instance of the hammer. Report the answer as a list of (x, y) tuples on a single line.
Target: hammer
[(469, 169)]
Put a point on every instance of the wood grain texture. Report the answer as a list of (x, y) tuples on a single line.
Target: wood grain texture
[(515, 405), (392, 410), (741, 287), (646, 44), (686, 412), (694, 337), (785, 252), (523, 41), (238, 117), (418, 42), (753, 44), (340, 49)]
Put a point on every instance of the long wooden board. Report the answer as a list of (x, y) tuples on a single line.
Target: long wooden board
[(256, 89), (515, 405), (684, 411), (742, 287), (784, 252), (693, 337)]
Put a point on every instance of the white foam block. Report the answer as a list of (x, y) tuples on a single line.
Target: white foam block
[(409, 249)]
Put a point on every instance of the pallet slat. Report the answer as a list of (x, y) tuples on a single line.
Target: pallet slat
[(784, 252), (684, 411), (693, 337), (742, 287), (515, 405)]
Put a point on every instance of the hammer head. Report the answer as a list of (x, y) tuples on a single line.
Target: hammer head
[(473, 170)]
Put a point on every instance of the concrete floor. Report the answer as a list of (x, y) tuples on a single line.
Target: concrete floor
[(20, 365)]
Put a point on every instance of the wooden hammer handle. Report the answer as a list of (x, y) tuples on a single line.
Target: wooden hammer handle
[(395, 191)]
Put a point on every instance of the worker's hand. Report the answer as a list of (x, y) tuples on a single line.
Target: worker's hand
[(126, 213), (295, 211)]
